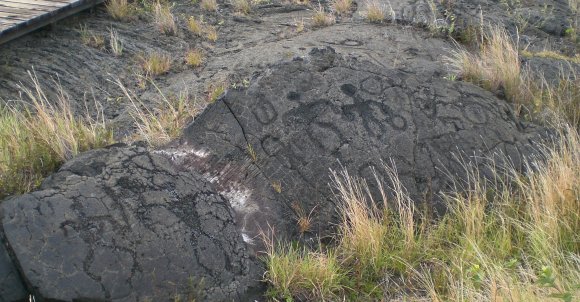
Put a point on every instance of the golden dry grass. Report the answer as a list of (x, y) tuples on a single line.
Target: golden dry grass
[(159, 123), (90, 38), (375, 11), (342, 7), (243, 7), (164, 19), (497, 67), (115, 43), (321, 18), (119, 9), (211, 33), (195, 26), (155, 63), (36, 140), (209, 5), (194, 58)]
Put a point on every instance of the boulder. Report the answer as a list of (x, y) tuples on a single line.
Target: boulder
[(11, 286), (124, 224), (271, 146)]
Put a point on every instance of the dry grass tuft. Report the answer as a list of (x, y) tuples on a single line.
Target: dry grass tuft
[(194, 58), (164, 19), (209, 5), (375, 11), (322, 18), (155, 63), (298, 273), (551, 55), (91, 39), (243, 7), (115, 43), (165, 121), (303, 218), (194, 26), (36, 140), (497, 67), (299, 25), (211, 33), (277, 186), (342, 7), (120, 9), (215, 90)]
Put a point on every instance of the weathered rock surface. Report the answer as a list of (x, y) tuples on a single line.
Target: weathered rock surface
[(11, 286), (324, 112), (122, 224)]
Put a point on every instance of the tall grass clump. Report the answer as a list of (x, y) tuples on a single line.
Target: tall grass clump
[(164, 19), (162, 121), (36, 139), (298, 273), (511, 236), (321, 18), (497, 67), (375, 11), (342, 7), (155, 63), (243, 7), (209, 5), (553, 99), (119, 9)]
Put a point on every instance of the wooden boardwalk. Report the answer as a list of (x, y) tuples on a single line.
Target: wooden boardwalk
[(18, 17)]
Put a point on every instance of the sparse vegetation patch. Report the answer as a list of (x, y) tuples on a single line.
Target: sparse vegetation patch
[(497, 67), (120, 9), (321, 18), (209, 5), (155, 63), (342, 7), (510, 237), (375, 11), (163, 121), (243, 7), (194, 58), (36, 140), (164, 19)]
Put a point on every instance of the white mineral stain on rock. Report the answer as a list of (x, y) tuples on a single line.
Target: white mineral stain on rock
[(178, 154), (238, 198), (247, 239)]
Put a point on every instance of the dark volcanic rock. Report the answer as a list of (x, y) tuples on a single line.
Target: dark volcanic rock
[(11, 287), (323, 112), (121, 224)]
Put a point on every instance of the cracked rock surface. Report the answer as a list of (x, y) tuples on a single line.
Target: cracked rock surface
[(11, 286), (278, 139), (122, 224)]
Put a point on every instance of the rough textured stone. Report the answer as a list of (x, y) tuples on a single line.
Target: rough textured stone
[(121, 224), (323, 112), (11, 286)]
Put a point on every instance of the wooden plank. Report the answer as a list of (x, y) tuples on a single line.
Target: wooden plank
[(35, 3), (19, 11), (43, 2), (9, 16), (29, 6), (35, 9), (7, 21)]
